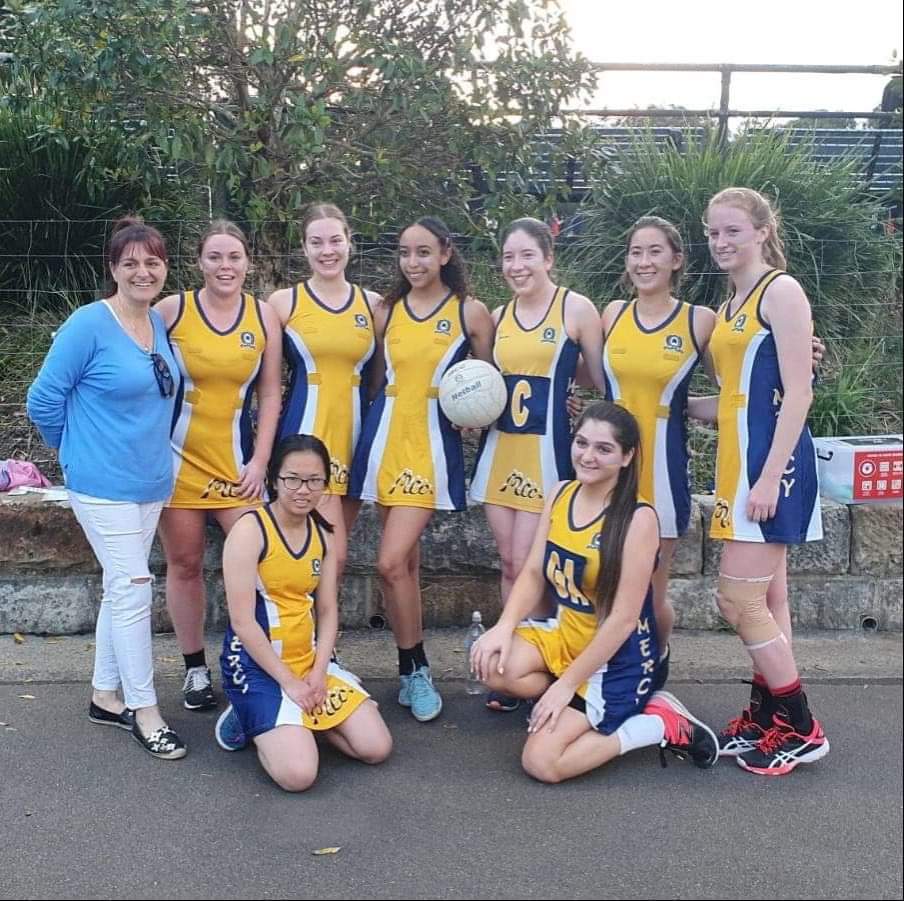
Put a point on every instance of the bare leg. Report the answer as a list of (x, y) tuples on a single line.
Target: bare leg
[(777, 597), (571, 749), (525, 676), (746, 560), (398, 563), (183, 534), (290, 757), (663, 610), (514, 531), (501, 521), (363, 736), (330, 507)]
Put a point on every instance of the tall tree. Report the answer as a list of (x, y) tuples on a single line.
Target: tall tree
[(387, 107)]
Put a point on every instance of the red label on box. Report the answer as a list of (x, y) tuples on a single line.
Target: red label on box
[(878, 474)]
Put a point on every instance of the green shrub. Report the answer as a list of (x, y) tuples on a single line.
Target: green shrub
[(63, 178), (835, 242)]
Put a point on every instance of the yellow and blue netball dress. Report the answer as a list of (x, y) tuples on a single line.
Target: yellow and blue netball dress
[(528, 450), (620, 688), (409, 455), (213, 434), (648, 371), (750, 397), (326, 351), (284, 609)]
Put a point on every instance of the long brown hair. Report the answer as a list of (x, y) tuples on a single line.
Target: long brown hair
[(622, 503), (763, 215), (673, 239), (453, 274)]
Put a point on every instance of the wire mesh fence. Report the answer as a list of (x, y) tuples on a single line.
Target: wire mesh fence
[(858, 388)]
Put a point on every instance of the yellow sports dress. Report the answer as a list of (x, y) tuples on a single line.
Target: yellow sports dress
[(620, 688), (750, 398), (213, 434), (528, 450), (409, 455), (648, 372), (326, 351), (284, 609)]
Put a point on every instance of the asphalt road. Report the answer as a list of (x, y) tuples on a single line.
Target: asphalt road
[(86, 813)]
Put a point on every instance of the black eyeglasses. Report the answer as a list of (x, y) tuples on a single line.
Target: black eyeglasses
[(163, 375), (294, 483)]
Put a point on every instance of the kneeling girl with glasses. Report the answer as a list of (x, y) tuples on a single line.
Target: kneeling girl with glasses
[(282, 683)]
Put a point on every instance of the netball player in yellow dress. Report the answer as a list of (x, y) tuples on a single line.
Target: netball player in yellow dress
[(540, 336), (409, 458), (281, 681), (330, 340), (653, 343), (593, 665), (767, 492), (228, 347)]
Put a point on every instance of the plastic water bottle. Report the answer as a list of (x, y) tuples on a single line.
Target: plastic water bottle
[(473, 685)]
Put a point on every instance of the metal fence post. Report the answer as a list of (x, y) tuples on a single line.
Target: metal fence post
[(724, 106)]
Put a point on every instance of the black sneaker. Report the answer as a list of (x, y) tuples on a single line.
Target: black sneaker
[(781, 749), (685, 736), (197, 690), (741, 735)]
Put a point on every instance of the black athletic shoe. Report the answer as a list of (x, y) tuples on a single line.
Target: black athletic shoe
[(782, 748), (741, 735), (685, 735), (197, 690)]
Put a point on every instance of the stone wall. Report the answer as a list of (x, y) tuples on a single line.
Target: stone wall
[(50, 582)]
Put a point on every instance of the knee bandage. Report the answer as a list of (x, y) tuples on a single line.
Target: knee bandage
[(743, 604)]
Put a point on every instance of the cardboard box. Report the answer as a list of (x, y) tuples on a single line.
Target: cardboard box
[(861, 469)]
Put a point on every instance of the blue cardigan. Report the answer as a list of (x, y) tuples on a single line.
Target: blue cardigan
[(96, 399)]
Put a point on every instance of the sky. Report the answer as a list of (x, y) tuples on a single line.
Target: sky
[(832, 32)]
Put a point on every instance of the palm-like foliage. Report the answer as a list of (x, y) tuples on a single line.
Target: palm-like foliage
[(836, 243)]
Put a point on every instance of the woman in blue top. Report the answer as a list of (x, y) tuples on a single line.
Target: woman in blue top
[(104, 397)]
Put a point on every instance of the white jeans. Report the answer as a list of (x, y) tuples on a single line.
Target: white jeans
[(120, 534)]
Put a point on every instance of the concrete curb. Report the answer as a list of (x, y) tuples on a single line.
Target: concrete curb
[(703, 657)]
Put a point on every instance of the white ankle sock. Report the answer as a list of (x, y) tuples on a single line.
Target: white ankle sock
[(640, 731)]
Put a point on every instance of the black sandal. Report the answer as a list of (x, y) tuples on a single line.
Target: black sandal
[(501, 703), (162, 742)]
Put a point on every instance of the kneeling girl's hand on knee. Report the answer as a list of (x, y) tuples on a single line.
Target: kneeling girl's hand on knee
[(497, 641), (549, 707)]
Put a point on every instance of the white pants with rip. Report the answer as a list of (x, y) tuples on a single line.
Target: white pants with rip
[(120, 534)]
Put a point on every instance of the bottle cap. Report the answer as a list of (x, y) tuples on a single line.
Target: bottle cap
[(476, 617)]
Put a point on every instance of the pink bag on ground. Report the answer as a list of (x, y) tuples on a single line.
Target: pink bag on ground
[(21, 473)]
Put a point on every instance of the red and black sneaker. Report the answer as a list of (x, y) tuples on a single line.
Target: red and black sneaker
[(742, 734), (685, 735), (781, 749)]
